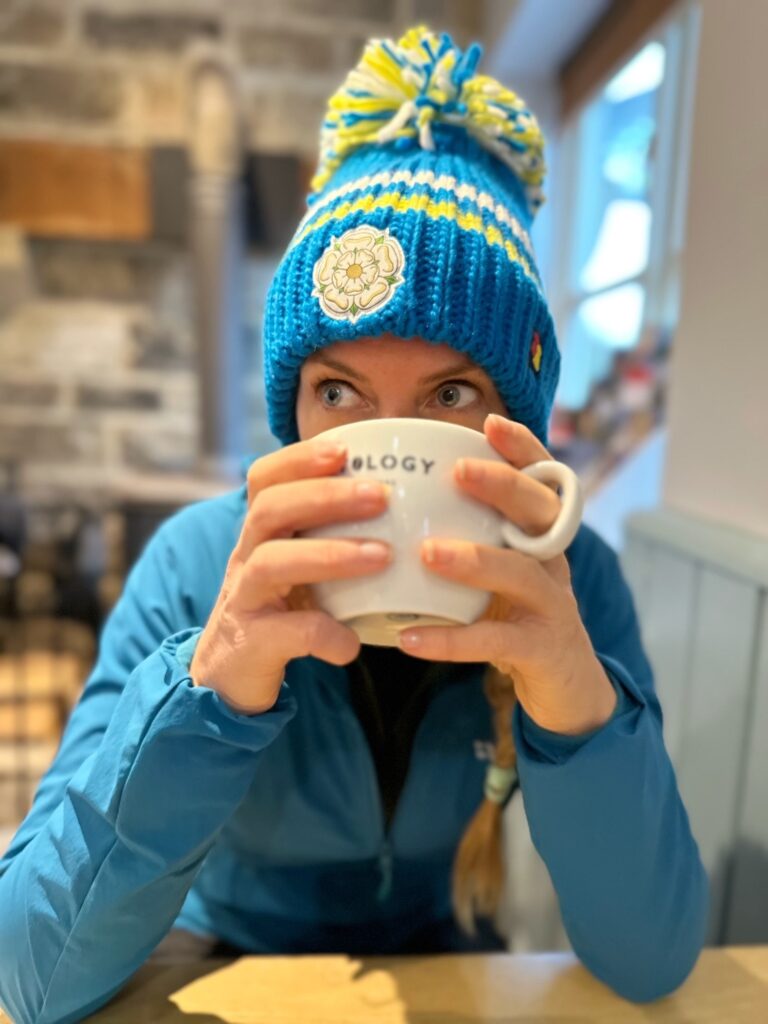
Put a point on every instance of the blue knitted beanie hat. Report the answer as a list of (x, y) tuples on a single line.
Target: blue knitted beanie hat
[(428, 180)]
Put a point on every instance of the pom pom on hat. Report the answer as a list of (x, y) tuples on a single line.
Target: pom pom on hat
[(398, 90)]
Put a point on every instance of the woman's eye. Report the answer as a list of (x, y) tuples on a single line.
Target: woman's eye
[(450, 394), (332, 392)]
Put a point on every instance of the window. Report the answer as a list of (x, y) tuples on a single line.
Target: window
[(623, 175)]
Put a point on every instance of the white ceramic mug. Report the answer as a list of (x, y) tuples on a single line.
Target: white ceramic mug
[(416, 457)]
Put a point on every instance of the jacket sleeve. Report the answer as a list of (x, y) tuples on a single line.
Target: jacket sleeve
[(148, 771), (606, 816)]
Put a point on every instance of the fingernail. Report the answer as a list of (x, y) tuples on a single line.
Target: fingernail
[(408, 639), (501, 420), (371, 489), (435, 553), (373, 551), (469, 470), (328, 450)]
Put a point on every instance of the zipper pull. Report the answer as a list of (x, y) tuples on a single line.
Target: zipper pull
[(385, 867)]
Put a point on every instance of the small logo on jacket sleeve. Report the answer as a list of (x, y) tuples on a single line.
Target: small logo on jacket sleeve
[(485, 750)]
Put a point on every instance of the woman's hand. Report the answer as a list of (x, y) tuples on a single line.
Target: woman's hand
[(264, 614), (531, 630)]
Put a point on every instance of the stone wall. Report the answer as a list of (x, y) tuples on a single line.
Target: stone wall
[(97, 349), (97, 370)]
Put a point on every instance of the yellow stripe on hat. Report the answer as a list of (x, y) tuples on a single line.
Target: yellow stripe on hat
[(435, 181), (402, 202)]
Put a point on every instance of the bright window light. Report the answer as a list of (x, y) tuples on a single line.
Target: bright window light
[(642, 74), (621, 249), (626, 162), (614, 318)]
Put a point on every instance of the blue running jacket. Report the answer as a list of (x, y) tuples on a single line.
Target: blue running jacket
[(164, 808)]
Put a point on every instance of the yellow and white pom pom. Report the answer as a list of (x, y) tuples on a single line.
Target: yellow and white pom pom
[(398, 90)]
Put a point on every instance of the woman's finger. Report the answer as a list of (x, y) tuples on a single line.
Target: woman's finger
[(278, 565), (314, 632), (517, 577), (526, 502), (282, 509), (294, 461), (514, 441), (500, 644)]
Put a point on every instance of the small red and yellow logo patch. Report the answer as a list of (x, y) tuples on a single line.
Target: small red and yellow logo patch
[(535, 353)]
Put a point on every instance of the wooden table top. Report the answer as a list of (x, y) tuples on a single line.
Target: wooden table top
[(729, 985)]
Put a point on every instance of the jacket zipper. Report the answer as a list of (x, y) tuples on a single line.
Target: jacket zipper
[(385, 846), (385, 868), (385, 855)]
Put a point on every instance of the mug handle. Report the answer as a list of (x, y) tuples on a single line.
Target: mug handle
[(565, 527)]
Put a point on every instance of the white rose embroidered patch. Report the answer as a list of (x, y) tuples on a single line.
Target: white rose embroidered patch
[(358, 272)]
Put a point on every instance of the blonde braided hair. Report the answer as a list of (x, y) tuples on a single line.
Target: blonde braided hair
[(478, 867)]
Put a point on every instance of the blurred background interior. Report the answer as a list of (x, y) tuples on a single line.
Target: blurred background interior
[(154, 156)]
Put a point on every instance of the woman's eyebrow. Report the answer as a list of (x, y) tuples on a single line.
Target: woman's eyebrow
[(447, 371)]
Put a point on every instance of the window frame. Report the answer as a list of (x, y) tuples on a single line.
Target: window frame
[(667, 194)]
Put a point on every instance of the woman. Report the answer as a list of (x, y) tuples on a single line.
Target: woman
[(239, 769)]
